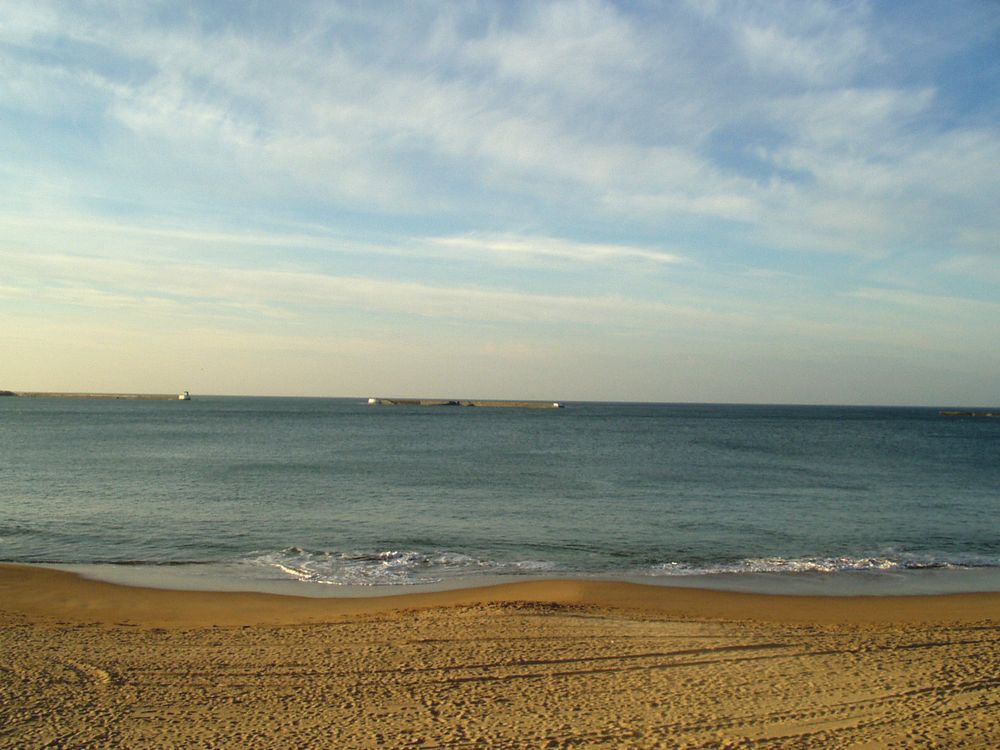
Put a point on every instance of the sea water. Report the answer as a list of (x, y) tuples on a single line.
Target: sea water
[(333, 495)]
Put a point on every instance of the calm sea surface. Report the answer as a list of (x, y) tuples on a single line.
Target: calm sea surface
[(336, 492)]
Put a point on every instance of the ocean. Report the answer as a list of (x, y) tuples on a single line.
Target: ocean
[(334, 497)]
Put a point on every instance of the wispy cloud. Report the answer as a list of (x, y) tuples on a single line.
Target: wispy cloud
[(516, 249), (583, 48), (947, 307), (813, 42), (982, 267), (505, 106), (103, 283)]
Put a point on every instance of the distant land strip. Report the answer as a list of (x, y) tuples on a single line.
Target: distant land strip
[(114, 396), (955, 413), (464, 402)]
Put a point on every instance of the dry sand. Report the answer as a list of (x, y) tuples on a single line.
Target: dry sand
[(558, 664)]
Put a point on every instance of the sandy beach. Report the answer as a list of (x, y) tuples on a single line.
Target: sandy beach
[(560, 664)]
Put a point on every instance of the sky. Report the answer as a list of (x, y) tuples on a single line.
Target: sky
[(702, 200)]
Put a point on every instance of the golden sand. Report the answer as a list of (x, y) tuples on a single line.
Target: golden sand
[(561, 664)]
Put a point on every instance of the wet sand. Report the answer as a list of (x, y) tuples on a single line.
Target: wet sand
[(557, 664)]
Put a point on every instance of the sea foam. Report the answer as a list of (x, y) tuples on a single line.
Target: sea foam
[(387, 567)]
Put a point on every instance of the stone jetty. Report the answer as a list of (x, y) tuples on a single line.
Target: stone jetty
[(114, 396), (464, 402)]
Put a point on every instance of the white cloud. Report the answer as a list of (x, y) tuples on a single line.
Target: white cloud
[(866, 120), (106, 283), (582, 48), (515, 249), (815, 58), (812, 41), (947, 307), (333, 121), (357, 131), (20, 23)]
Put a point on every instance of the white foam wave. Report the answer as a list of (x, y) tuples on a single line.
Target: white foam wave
[(410, 567), (876, 563), (387, 567)]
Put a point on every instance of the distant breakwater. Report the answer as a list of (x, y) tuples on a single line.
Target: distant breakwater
[(112, 396), (464, 402), (956, 413)]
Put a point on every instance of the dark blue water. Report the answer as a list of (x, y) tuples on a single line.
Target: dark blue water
[(337, 491)]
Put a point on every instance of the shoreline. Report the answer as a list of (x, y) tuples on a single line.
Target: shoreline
[(235, 576), (42, 593)]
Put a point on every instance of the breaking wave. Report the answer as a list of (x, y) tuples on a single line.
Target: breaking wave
[(388, 567), (411, 567), (873, 564)]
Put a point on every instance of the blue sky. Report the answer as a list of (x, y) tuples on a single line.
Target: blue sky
[(687, 201)]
